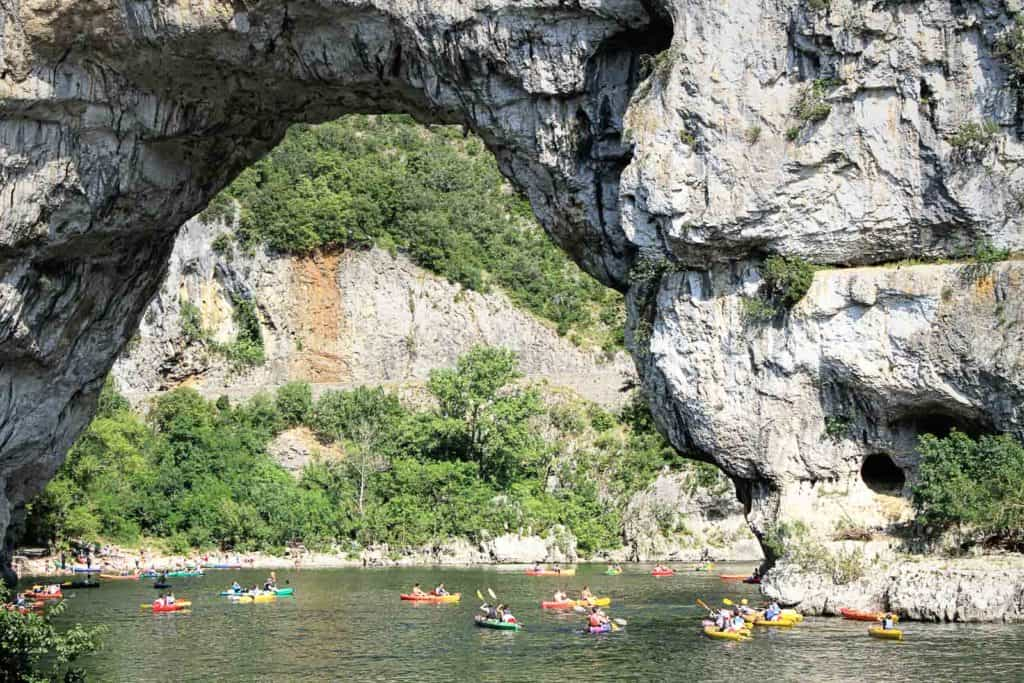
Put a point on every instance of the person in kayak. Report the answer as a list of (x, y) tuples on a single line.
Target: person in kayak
[(19, 600), (586, 595), (417, 591), (493, 613), (169, 599), (737, 624), (440, 590), (506, 615), (537, 567), (745, 608), (236, 587), (660, 568), (561, 596), (773, 613), (597, 618), (889, 621)]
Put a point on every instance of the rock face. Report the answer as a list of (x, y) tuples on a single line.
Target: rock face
[(961, 590), (852, 136), (676, 519), (337, 321)]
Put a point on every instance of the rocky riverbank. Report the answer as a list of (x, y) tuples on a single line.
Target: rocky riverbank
[(977, 589)]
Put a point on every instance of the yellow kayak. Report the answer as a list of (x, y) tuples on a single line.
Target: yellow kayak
[(713, 632), (787, 615), (781, 623), (249, 599), (887, 634)]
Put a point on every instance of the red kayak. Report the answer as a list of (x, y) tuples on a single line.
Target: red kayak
[(752, 579), (733, 577), (46, 596), (860, 615), (665, 573), (567, 604)]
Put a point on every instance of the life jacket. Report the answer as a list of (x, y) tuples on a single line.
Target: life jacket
[(595, 620)]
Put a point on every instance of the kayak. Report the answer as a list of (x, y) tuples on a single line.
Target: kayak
[(86, 570), (176, 607), (120, 577), (780, 623), (612, 572), (885, 634), (495, 624), (752, 579), (160, 586), (437, 599), (603, 628), (663, 573), (550, 572), (75, 585), (713, 632), (183, 574), (733, 577), (787, 615), (250, 599), (861, 615), (227, 594), (46, 596), (284, 592), (569, 604)]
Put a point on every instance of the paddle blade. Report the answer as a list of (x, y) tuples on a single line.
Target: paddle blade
[(726, 601), (579, 609), (620, 622), (491, 593), (480, 595)]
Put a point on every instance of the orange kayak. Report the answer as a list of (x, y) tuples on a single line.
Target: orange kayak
[(120, 577), (733, 577), (860, 615)]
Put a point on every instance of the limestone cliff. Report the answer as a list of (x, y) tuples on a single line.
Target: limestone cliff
[(700, 136), (337, 321)]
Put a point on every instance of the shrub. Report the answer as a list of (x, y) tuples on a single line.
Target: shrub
[(753, 134), (973, 485), (191, 323), (837, 427), (222, 244), (788, 279), (792, 133), (757, 310), (818, 5), (974, 137), (687, 138), (294, 401), (811, 105), (1010, 48)]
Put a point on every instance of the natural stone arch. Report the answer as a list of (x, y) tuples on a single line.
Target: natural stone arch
[(121, 121)]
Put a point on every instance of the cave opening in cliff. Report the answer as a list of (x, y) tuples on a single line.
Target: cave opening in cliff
[(882, 475)]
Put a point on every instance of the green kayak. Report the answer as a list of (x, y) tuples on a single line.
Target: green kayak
[(494, 623), (280, 592), (182, 574), (612, 572)]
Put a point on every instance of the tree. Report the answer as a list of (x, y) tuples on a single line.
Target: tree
[(364, 458), (294, 401), (486, 418), (33, 651)]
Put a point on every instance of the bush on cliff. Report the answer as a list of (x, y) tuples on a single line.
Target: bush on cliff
[(974, 485), (433, 193)]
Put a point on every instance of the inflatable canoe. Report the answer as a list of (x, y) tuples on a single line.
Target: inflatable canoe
[(862, 615), (569, 604), (454, 597), (495, 624), (178, 606), (713, 632), (885, 634)]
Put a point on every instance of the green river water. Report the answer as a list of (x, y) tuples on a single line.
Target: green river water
[(348, 624)]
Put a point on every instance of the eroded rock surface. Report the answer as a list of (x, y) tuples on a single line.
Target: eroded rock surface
[(765, 128), (337, 321)]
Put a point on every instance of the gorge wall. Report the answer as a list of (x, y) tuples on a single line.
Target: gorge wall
[(667, 145), (354, 318)]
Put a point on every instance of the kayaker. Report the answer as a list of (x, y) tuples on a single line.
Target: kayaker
[(618, 568), (585, 594), (556, 569), (745, 608), (597, 618), (416, 590), (756, 574), (737, 623), (537, 567), (660, 568), (169, 599), (506, 615), (268, 585), (19, 600), (440, 590), (159, 602), (492, 612), (773, 612), (561, 596), (236, 587), (889, 621)]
